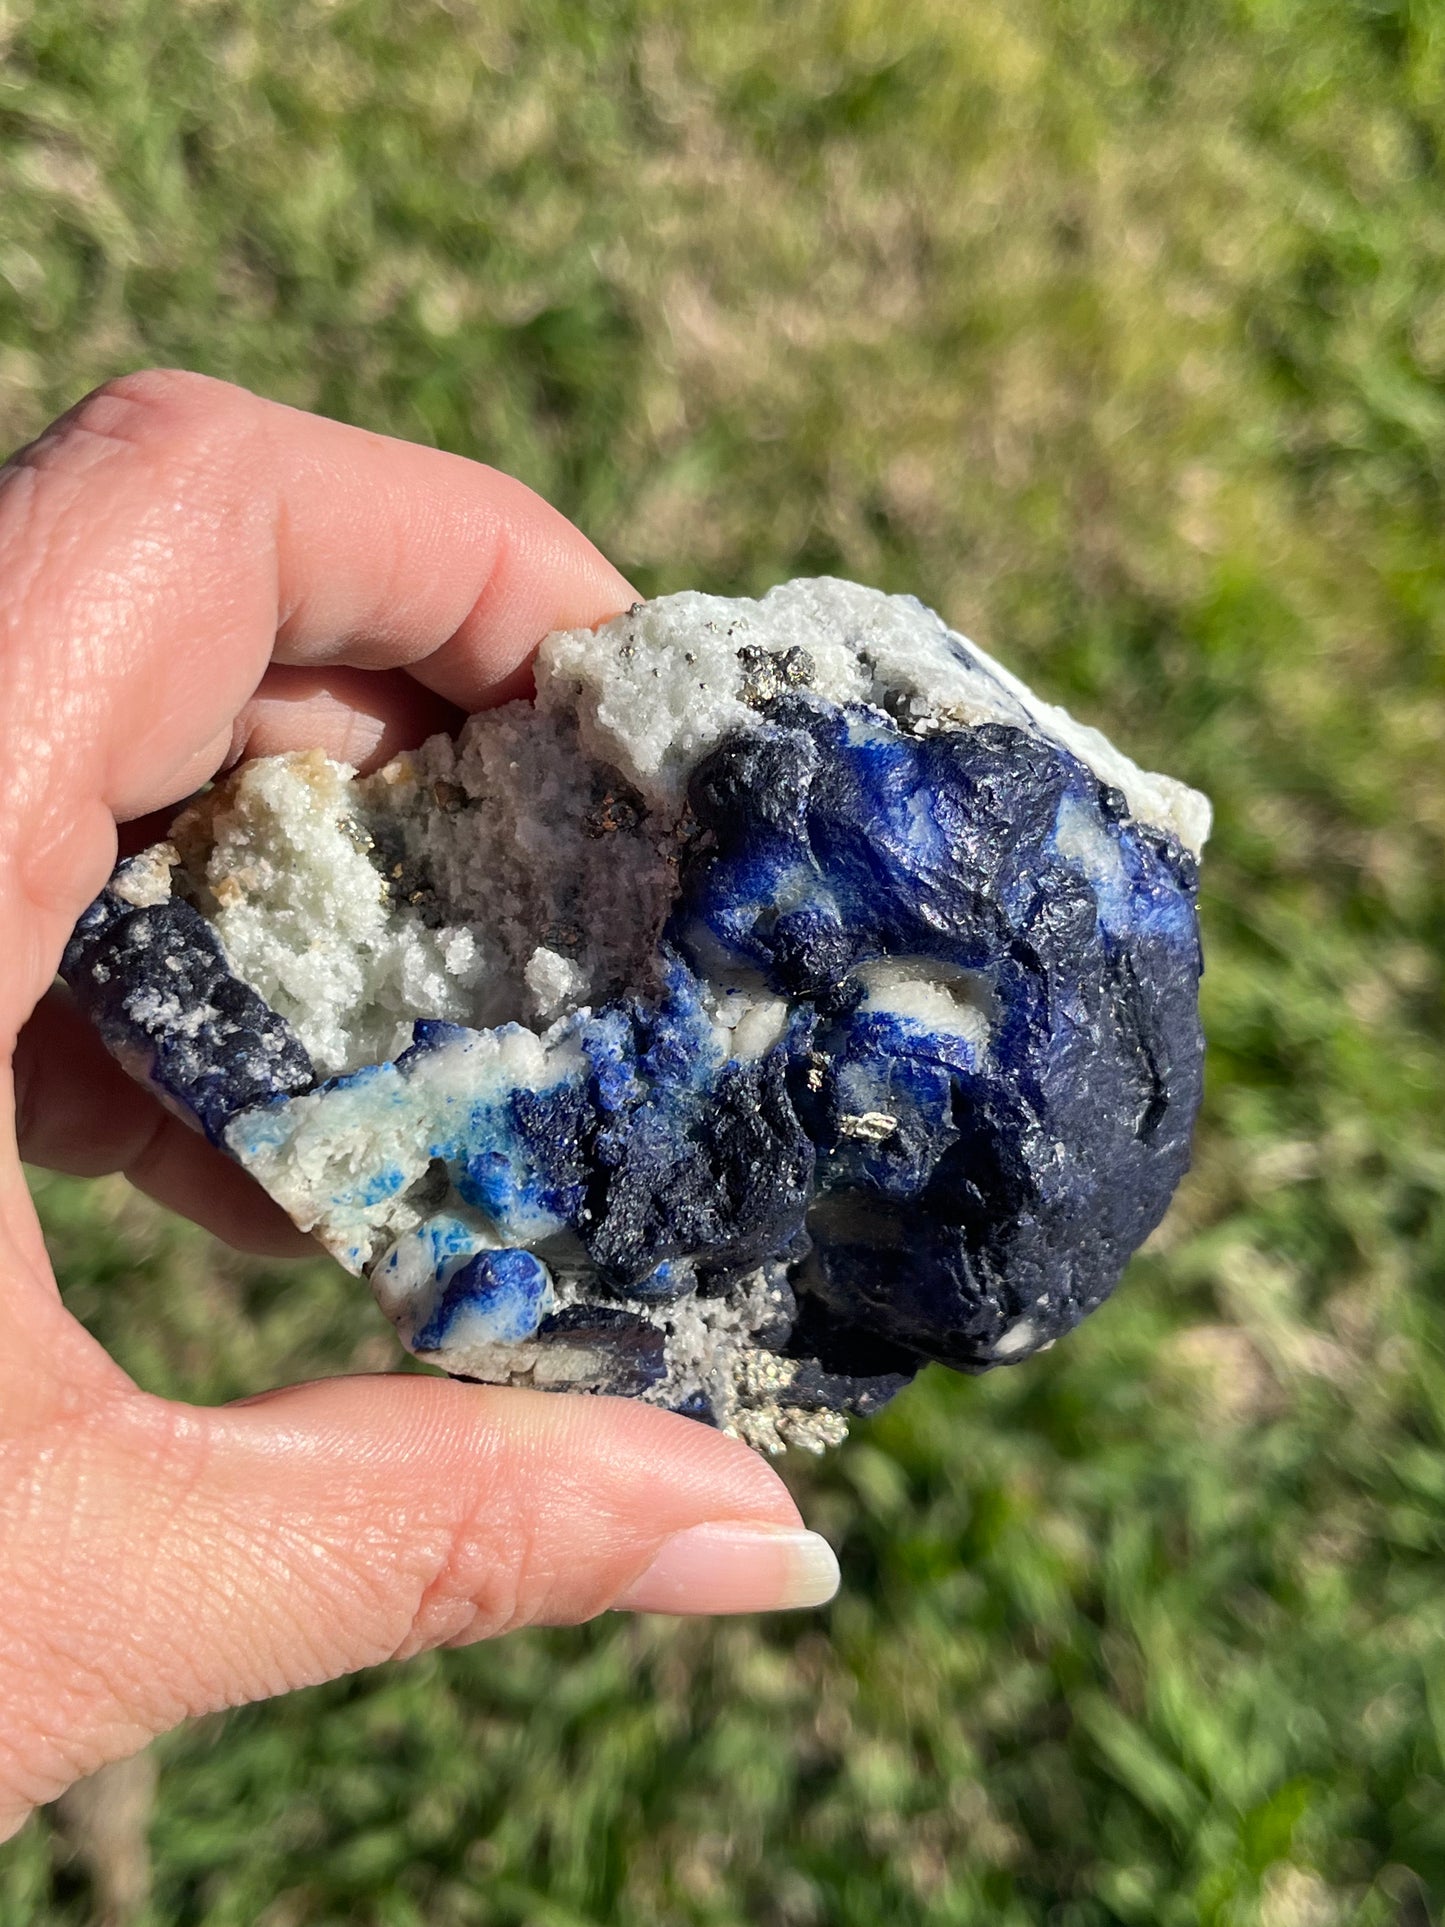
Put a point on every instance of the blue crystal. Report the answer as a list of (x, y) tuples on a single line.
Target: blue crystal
[(499, 1296), (1018, 1176), (634, 1349), (157, 986)]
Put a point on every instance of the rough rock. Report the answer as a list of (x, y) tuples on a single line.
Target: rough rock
[(785, 998)]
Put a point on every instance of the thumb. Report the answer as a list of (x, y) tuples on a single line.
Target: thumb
[(175, 1561)]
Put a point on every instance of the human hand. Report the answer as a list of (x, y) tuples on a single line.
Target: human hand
[(189, 575)]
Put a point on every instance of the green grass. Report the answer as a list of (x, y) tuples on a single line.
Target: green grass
[(1117, 332)]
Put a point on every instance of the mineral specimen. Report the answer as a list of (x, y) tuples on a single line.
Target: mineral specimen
[(785, 998)]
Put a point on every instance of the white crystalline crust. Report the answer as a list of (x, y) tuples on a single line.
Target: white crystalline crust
[(524, 871), (279, 861), (710, 1342), (659, 687), (347, 1162), (499, 878)]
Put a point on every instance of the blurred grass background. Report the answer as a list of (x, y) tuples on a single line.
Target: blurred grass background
[(1117, 332)]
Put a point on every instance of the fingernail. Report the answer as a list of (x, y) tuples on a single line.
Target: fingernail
[(735, 1568)]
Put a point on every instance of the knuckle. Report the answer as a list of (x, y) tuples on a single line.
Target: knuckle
[(151, 389), (508, 1549), (166, 412), (169, 418), (480, 1582)]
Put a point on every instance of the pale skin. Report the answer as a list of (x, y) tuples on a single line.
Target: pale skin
[(189, 575)]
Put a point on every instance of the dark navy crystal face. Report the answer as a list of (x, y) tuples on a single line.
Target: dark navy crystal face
[(1021, 1153), (157, 986), (975, 1104)]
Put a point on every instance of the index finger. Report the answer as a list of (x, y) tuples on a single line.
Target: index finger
[(169, 535)]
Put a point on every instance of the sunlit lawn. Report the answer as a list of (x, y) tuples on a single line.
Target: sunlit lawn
[(1118, 334)]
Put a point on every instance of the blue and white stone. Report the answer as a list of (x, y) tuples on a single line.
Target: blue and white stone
[(786, 998)]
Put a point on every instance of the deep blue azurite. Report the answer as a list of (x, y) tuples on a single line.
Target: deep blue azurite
[(1020, 1175), (156, 984), (976, 1105)]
